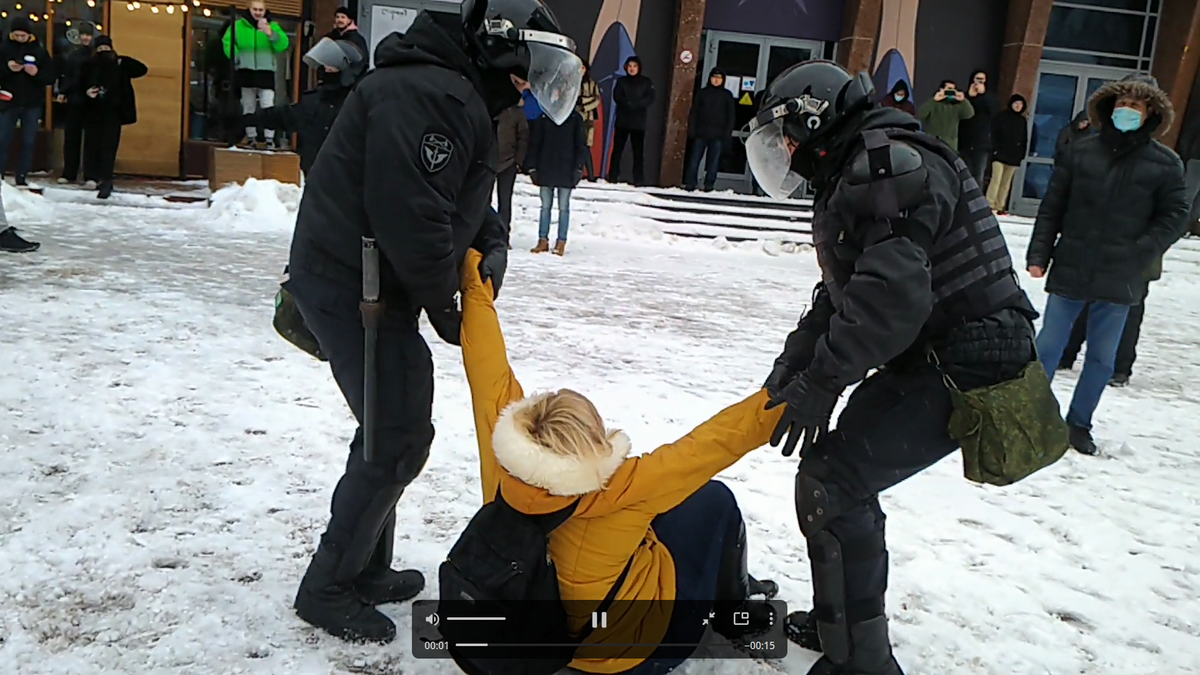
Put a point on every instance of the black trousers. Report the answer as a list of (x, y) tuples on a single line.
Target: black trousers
[(73, 145), (1126, 350), (505, 181), (893, 427), (638, 139), (103, 133), (977, 162), (365, 497)]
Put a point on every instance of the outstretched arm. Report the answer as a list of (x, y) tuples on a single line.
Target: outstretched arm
[(489, 375)]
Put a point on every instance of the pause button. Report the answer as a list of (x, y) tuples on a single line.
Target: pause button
[(599, 619)]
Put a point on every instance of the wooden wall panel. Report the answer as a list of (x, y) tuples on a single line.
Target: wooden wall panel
[(152, 146)]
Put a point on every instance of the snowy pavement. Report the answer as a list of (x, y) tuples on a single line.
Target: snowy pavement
[(169, 459)]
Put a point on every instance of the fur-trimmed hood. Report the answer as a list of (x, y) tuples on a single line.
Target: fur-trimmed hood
[(1144, 87), (533, 464)]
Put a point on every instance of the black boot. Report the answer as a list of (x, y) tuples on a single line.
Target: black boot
[(801, 628), (379, 584), (734, 617), (328, 604), (1081, 440), (11, 242), (106, 190), (871, 652)]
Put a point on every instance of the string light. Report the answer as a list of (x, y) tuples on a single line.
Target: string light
[(183, 8), (154, 8), (129, 6), (68, 23), (91, 3), (3, 15), (170, 9), (18, 6), (207, 12)]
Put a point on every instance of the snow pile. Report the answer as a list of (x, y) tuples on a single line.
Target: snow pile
[(23, 207), (256, 206)]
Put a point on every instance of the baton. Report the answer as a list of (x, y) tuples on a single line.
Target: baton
[(372, 310)]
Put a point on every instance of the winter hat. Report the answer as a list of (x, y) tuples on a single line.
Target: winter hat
[(102, 41), (20, 24), (716, 72), (1139, 86), (345, 11), (633, 59)]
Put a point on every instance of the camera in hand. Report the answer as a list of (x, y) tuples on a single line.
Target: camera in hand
[(951, 93)]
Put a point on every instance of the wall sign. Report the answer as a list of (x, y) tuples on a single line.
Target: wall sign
[(387, 20), (686, 56)]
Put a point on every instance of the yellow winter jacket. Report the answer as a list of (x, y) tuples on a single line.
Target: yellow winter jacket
[(619, 495)]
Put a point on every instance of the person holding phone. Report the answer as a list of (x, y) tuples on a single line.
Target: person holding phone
[(254, 42), (941, 115), (23, 85)]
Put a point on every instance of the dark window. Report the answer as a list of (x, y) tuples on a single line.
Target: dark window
[(1091, 59), (1095, 31), (1132, 5)]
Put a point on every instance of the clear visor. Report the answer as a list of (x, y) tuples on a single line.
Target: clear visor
[(771, 162), (330, 53), (555, 77)]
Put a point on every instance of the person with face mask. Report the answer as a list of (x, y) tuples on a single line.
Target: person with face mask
[(71, 95), (899, 98), (917, 285), (339, 65), (410, 162), (111, 104), (1117, 200)]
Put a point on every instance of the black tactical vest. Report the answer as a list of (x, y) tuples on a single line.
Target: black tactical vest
[(972, 272)]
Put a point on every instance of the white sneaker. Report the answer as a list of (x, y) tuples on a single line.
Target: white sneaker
[(63, 181), (90, 185)]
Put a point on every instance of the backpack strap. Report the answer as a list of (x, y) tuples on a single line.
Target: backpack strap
[(610, 598), (546, 522)]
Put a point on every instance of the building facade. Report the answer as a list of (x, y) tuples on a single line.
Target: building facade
[(185, 101)]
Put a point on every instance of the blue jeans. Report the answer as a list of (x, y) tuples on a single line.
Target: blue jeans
[(695, 532), (702, 146), (1105, 324), (564, 212), (29, 118)]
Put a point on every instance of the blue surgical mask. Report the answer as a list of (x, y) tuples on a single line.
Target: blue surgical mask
[(1127, 119), (899, 96)]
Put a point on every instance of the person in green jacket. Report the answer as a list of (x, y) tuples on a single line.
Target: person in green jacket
[(254, 43), (941, 114)]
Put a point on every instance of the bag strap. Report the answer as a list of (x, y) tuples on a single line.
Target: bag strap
[(610, 598), (546, 522)]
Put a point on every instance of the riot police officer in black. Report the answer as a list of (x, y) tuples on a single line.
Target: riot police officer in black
[(410, 162), (917, 284)]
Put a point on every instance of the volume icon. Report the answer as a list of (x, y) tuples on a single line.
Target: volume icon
[(432, 619), (599, 619)]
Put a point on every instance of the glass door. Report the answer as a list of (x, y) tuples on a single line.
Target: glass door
[(1062, 92), (749, 62)]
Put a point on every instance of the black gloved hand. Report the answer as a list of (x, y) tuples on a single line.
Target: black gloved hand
[(577, 177), (493, 266), (810, 404), (447, 322)]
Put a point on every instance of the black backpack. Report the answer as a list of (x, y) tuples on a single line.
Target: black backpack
[(500, 567)]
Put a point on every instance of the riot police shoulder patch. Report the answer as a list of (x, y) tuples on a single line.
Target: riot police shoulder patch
[(436, 151)]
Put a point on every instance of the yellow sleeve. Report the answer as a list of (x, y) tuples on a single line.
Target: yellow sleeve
[(661, 480), (491, 379)]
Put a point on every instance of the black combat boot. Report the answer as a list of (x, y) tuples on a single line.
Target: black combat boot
[(331, 605), (734, 617), (379, 584), (801, 628), (1081, 440), (870, 654)]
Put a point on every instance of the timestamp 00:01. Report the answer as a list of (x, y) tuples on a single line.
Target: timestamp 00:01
[(436, 645)]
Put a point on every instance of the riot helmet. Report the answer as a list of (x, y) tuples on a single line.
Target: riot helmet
[(342, 56), (523, 39), (801, 113)]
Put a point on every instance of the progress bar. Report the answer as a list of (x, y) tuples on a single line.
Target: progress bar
[(575, 645)]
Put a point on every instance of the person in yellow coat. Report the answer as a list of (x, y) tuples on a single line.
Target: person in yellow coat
[(679, 533)]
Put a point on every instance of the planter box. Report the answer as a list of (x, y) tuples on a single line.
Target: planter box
[(234, 165)]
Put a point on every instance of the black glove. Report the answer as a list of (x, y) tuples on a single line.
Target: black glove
[(493, 266), (810, 404), (447, 322), (577, 176), (801, 343)]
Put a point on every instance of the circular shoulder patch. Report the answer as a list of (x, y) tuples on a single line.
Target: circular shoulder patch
[(436, 151)]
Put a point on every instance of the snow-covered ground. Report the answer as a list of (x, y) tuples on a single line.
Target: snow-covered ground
[(168, 459)]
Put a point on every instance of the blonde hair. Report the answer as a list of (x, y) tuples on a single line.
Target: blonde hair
[(252, 3), (565, 423)]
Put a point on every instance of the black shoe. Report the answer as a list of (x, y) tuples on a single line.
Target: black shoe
[(1081, 440), (21, 182), (766, 588), (1066, 365), (381, 587), (379, 584), (11, 242), (801, 629), (1119, 380), (335, 607), (106, 190), (824, 666)]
